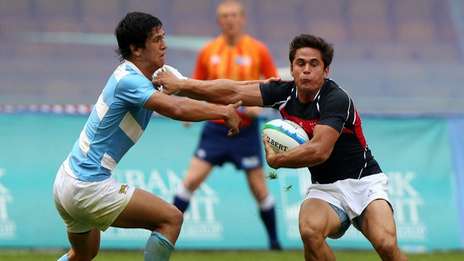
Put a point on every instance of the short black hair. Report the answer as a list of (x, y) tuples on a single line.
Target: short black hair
[(134, 29), (311, 41)]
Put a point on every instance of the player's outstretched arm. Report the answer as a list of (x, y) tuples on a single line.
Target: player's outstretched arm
[(312, 153), (185, 109), (218, 91)]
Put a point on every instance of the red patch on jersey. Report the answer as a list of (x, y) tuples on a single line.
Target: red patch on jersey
[(358, 131), (307, 124)]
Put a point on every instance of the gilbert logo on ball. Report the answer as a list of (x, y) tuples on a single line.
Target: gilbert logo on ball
[(284, 135)]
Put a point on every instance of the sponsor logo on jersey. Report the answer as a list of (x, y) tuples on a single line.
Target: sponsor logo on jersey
[(215, 59), (243, 60), (123, 189)]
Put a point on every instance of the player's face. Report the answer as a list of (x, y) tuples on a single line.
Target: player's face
[(308, 70), (230, 18), (155, 48)]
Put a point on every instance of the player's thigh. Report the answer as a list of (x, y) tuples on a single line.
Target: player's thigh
[(318, 217), (197, 173), (85, 245), (257, 183), (377, 221), (148, 211)]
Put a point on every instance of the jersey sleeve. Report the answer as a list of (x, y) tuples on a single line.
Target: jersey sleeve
[(268, 68), (275, 93), (135, 90), (334, 109)]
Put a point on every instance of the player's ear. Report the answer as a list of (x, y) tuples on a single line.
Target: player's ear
[(326, 71), (136, 51)]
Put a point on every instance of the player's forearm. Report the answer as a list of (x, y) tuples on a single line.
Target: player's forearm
[(252, 112), (192, 110), (218, 91), (306, 155)]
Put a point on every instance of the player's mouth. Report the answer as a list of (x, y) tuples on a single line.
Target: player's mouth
[(305, 81)]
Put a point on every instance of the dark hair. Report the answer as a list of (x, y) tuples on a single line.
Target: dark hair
[(134, 29), (311, 41)]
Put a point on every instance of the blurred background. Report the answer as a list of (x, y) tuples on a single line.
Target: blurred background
[(401, 60), (394, 56)]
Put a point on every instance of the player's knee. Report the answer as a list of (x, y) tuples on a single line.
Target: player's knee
[(311, 236), (178, 218), (175, 218), (385, 245), (171, 223)]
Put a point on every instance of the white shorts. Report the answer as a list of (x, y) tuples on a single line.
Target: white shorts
[(88, 205), (352, 195)]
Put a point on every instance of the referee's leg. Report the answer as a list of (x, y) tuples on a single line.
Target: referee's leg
[(196, 174), (257, 184)]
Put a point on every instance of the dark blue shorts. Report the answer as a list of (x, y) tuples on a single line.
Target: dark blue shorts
[(243, 150)]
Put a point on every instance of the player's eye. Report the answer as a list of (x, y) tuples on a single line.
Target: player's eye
[(314, 63), (300, 62), (158, 39)]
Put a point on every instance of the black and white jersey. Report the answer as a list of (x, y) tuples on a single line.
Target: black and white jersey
[(332, 106)]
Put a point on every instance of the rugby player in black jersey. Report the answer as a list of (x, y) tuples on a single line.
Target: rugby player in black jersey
[(348, 186)]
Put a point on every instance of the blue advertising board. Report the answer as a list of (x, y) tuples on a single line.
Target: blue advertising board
[(415, 154)]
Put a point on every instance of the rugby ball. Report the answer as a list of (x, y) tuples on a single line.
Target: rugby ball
[(284, 135)]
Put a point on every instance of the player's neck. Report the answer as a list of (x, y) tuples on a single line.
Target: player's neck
[(306, 97), (146, 69), (232, 40)]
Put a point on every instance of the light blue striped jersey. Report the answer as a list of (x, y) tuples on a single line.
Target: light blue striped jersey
[(116, 122)]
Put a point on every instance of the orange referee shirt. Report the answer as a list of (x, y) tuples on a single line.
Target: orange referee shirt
[(249, 59)]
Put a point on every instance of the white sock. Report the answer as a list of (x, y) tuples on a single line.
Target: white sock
[(183, 193), (158, 248), (267, 203)]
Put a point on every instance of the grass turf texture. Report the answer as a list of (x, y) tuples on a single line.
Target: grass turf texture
[(7, 255)]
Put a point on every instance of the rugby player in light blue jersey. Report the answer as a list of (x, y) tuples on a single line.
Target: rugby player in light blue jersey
[(87, 197)]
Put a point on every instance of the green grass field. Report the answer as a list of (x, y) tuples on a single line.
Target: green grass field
[(7, 255)]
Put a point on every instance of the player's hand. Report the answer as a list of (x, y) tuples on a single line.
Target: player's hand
[(232, 120), (268, 80), (169, 82), (272, 79), (270, 153)]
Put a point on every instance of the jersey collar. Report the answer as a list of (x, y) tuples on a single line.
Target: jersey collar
[(315, 96), (132, 65)]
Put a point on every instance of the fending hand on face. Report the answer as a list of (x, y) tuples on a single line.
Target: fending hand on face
[(272, 79), (169, 81), (264, 81)]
